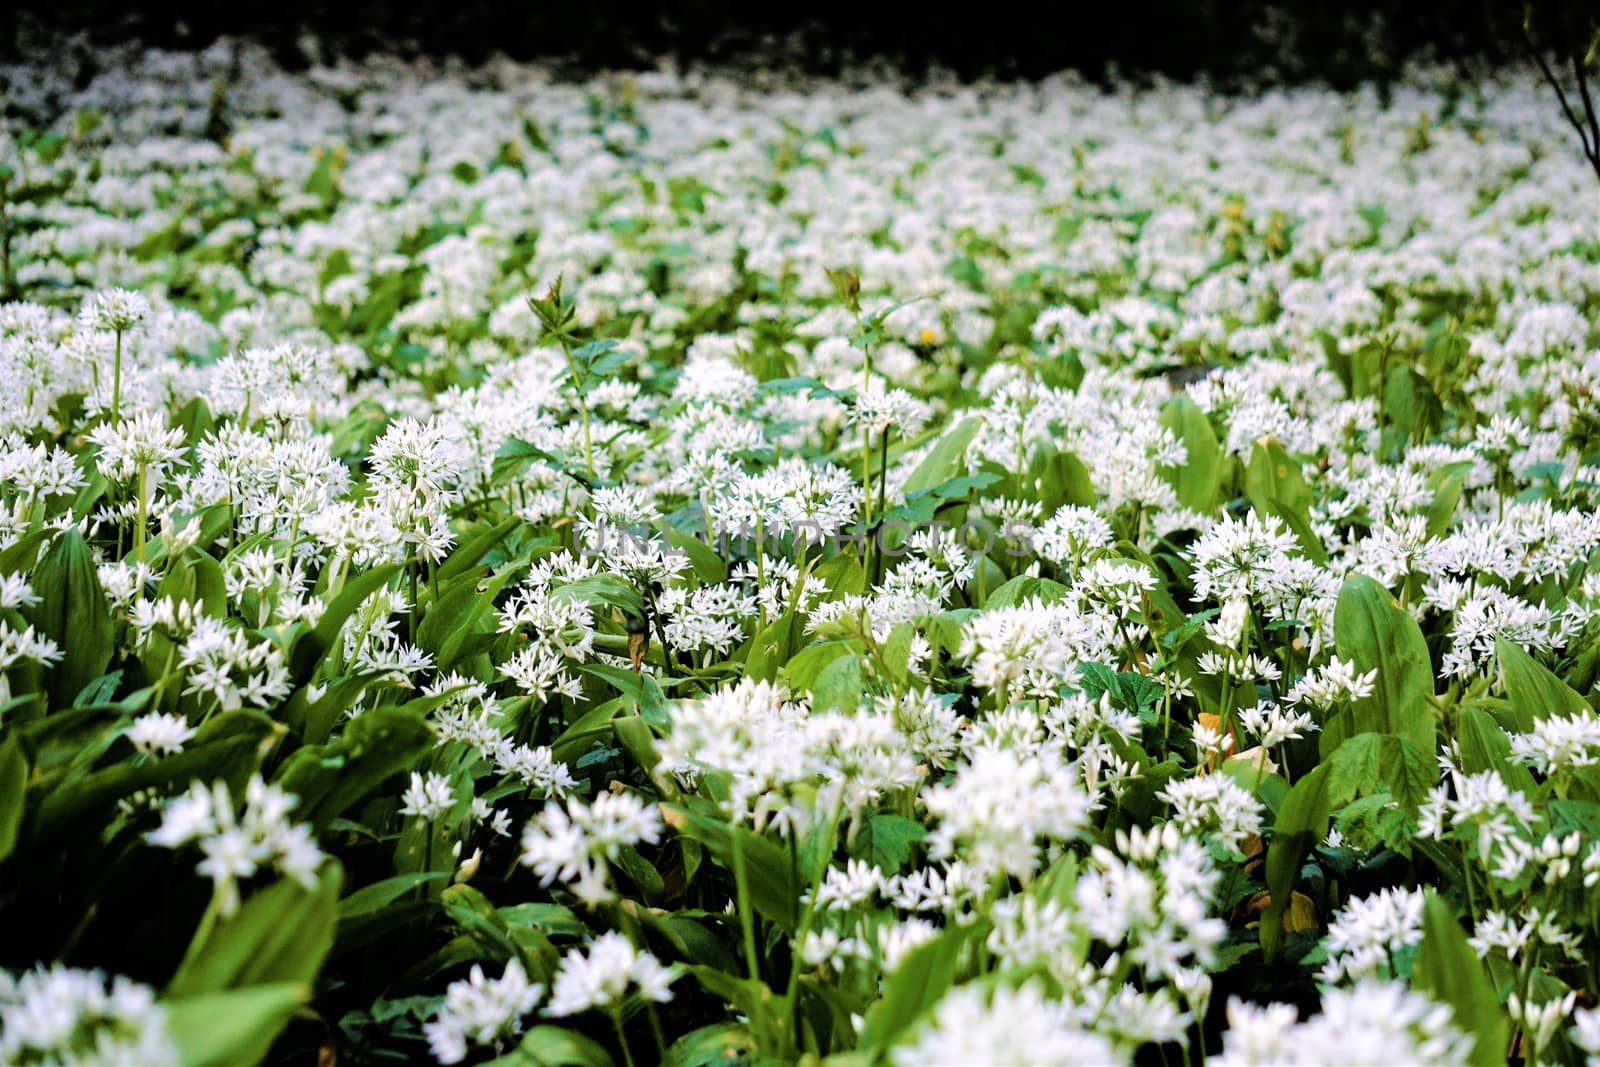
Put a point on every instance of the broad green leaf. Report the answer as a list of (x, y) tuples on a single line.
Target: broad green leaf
[(13, 788), (313, 646), (709, 567), (471, 552), (717, 1045), (887, 841), (71, 611), (1373, 631), (281, 934), (553, 1046), (1534, 691), (1275, 486), (1022, 588), (233, 1027), (770, 876), (921, 979), (229, 747), (946, 458), (1485, 747), (1446, 483), (1302, 822), (838, 686), (376, 744), (1449, 970), (1199, 481)]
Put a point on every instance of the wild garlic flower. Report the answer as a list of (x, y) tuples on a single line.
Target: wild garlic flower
[(572, 843), (1365, 936), (601, 977), (428, 797), (61, 1015), (238, 845), (160, 734), (1373, 1022), (1007, 1026), (479, 1011)]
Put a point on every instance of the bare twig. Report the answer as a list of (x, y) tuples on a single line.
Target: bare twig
[(1591, 144)]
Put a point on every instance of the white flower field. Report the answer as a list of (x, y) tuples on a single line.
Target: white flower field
[(703, 569)]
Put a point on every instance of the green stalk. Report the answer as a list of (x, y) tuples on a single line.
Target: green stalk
[(144, 512), (116, 382)]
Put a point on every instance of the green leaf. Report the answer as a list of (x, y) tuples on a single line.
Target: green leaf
[(231, 1028), (1446, 483), (838, 686), (472, 551), (1022, 588), (1372, 630), (922, 978), (1535, 692), (1450, 972), (709, 567), (1199, 481), (313, 646), (230, 747), (13, 787), (889, 840), (771, 879), (72, 611), (1370, 763), (1302, 822), (946, 458), (603, 589), (379, 895), (552, 1046), (1485, 747), (717, 1045), (329, 778), (281, 934), (1273, 482)]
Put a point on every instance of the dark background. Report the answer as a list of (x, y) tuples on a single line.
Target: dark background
[(1337, 40)]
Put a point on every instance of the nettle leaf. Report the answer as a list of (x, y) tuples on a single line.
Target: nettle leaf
[(1022, 588), (1371, 763), (1448, 969), (887, 841), (1376, 633)]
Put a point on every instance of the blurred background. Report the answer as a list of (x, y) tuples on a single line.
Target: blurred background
[(1340, 41)]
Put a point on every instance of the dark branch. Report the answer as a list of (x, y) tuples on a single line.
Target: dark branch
[(1591, 152)]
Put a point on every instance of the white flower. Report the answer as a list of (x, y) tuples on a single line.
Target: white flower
[(160, 733), (59, 1015), (481, 1011), (428, 797), (601, 977), (572, 843), (238, 846)]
